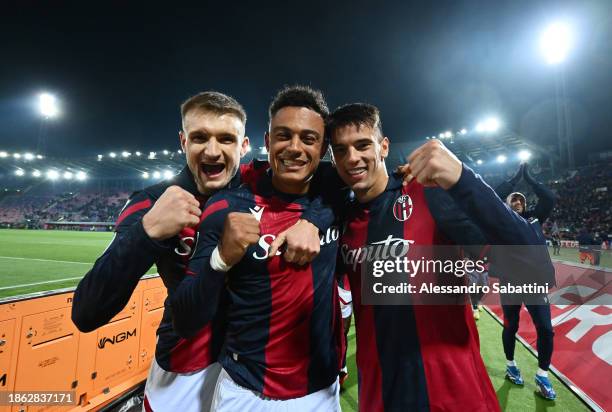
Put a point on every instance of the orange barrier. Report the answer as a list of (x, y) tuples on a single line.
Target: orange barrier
[(42, 350)]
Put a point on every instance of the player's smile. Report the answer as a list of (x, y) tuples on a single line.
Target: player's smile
[(213, 145), (212, 170), (292, 164), (295, 146), (357, 173), (359, 154)]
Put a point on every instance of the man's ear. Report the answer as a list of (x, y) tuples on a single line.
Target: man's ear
[(244, 147), (384, 148), (267, 141), (182, 140)]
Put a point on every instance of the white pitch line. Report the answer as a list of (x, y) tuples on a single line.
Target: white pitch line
[(46, 260), (38, 283)]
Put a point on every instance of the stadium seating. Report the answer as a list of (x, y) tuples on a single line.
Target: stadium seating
[(584, 195)]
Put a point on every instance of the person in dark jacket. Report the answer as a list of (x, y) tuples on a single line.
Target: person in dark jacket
[(518, 202), (538, 306)]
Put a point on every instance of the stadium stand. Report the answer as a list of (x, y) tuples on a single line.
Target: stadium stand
[(584, 194), (584, 199)]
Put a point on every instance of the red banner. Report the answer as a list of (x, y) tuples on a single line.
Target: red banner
[(583, 332)]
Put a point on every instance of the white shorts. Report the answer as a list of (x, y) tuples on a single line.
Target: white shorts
[(231, 397), (184, 392), (346, 302)]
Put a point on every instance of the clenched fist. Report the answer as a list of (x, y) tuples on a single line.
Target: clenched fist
[(175, 210), (432, 164), (303, 243), (240, 231)]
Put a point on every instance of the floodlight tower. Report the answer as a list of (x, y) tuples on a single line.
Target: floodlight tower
[(556, 42), (48, 109)]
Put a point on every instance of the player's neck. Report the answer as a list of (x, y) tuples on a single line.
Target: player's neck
[(373, 191), (290, 188)]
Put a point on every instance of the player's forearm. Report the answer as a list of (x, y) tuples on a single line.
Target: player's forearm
[(195, 301), (108, 286), (546, 201), (499, 224)]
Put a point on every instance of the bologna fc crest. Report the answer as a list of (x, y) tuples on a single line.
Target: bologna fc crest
[(402, 209)]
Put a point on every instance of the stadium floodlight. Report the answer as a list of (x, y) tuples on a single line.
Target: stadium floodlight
[(112, 154), (263, 150), (448, 134), (479, 162), (19, 172), (36, 173), (152, 155), (249, 148), (28, 156), (463, 131), (100, 157), (52, 174), (47, 104), (3, 154), (156, 175), (165, 152), (556, 42), (138, 154), (489, 125), (67, 175), (81, 175), (145, 175), (524, 155), (125, 154), (168, 174), (441, 135), (179, 151), (39, 156), (501, 158), (16, 155)]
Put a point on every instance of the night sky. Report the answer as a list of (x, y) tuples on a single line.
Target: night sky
[(121, 71)]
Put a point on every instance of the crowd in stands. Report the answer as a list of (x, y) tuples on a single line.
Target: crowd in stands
[(584, 200), (39, 211), (584, 197)]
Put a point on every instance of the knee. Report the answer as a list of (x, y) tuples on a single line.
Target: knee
[(545, 330), (511, 325)]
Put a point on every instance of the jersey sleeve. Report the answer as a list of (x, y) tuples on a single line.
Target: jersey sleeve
[(195, 301), (107, 287), (499, 224), (505, 230), (454, 223), (546, 199)]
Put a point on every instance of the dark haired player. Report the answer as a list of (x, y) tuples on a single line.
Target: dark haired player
[(283, 321), (537, 306), (415, 357), (158, 226)]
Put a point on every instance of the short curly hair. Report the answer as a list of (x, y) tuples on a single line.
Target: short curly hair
[(299, 96)]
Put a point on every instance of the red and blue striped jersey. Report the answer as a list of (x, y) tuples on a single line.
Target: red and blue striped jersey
[(414, 356), (106, 288), (283, 325)]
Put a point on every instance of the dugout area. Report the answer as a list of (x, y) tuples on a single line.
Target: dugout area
[(42, 350)]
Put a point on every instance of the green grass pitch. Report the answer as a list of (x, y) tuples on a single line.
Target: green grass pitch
[(34, 261)]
